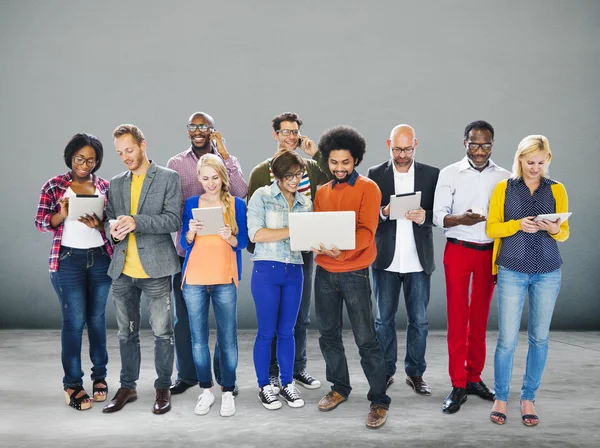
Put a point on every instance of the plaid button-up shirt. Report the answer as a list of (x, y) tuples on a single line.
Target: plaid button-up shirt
[(186, 163), (52, 192)]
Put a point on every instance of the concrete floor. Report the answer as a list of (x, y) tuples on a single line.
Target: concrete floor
[(33, 412)]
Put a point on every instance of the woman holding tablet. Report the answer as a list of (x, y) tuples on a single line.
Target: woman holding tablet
[(79, 260), (210, 272), (277, 275), (527, 261)]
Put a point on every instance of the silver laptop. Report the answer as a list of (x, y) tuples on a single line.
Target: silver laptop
[(309, 230)]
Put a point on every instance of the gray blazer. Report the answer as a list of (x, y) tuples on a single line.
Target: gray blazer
[(158, 214)]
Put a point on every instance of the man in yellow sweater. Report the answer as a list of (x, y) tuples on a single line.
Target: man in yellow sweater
[(343, 276)]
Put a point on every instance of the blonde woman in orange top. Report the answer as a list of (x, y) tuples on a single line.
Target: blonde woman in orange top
[(210, 273)]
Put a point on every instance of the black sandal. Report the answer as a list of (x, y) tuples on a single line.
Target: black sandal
[(499, 415), (533, 418), (77, 402), (101, 391)]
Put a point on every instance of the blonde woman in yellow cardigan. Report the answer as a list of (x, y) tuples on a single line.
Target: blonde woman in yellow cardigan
[(528, 263)]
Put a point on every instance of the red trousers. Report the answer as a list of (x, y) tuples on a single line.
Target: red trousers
[(467, 316)]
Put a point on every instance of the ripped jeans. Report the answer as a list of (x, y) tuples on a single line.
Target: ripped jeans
[(127, 293)]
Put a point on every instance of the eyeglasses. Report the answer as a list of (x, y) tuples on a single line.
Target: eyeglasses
[(290, 176), (200, 127), (408, 151), (79, 160), (287, 132), (476, 146)]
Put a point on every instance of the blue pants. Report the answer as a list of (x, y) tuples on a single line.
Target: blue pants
[(542, 290), (416, 297), (224, 300), (332, 290), (82, 286), (277, 291)]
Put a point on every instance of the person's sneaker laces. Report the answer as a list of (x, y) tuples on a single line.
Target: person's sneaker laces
[(290, 394), (307, 381), (227, 404), (274, 380), (205, 401), (268, 398)]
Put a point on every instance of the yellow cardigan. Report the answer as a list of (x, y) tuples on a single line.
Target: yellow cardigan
[(496, 227)]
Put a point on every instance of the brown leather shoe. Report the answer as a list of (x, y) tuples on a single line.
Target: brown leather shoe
[(419, 386), (331, 401), (377, 416), (121, 398), (162, 405)]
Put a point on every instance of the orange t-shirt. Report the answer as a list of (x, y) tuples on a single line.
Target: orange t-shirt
[(212, 261), (363, 198)]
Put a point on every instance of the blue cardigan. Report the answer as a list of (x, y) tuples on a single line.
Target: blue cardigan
[(240, 219)]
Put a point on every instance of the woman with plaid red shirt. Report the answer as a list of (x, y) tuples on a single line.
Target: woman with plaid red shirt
[(79, 260)]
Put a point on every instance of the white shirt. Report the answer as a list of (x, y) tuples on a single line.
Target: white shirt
[(76, 234), (461, 187), (406, 258)]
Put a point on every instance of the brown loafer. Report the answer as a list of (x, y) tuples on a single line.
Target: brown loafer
[(121, 398), (377, 416), (162, 405), (418, 385), (331, 401)]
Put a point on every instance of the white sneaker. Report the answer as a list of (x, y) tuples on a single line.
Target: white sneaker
[(205, 401), (274, 380), (227, 404)]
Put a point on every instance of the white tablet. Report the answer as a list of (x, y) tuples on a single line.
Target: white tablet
[(553, 217), (400, 204), (211, 217), (309, 230), (86, 204)]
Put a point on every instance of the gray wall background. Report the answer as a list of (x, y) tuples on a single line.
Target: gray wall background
[(75, 66)]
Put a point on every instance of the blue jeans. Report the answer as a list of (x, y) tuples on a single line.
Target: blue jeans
[(224, 300), (416, 297), (332, 290), (82, 286), (277, 291), (542, 290), (302, 322), (127, 293)]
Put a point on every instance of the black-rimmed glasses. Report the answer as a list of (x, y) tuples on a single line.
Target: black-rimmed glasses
[(79, 160), (198, 127)]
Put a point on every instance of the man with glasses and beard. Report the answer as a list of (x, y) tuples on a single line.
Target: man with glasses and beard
[(462, 198), (286, 132), (404, 256), (204, 139)]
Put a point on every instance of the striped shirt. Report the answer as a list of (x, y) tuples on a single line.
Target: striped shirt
[(51, 193)]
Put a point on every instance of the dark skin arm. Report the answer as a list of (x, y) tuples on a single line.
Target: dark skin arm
[(466, 219)]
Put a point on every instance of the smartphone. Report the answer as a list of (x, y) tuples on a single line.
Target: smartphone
[(300, 140), (113, 222)]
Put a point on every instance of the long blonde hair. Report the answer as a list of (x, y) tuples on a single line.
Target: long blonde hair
[(528, 146), (213, 161)]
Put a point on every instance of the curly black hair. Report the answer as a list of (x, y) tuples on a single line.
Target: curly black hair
[(343, 137), (479, 124), (79, 141), (286, 116)]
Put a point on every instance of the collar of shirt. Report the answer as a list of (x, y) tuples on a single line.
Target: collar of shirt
[(67, 178), (213, 150), (465, 165), (411, 170), (351, 181), (276, 191)]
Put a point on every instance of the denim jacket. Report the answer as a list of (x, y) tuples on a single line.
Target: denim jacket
[(269, 209)]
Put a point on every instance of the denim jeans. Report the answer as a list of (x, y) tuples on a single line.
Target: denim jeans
[(416, 297), (127, 293), (302, 322), (542, 290), (332, 290), (82, 286), (224, 300), (277, 291)]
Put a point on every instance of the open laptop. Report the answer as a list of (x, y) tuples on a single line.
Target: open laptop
[(309, 230)]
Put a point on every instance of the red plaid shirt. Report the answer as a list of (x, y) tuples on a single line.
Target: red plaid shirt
[(52, 192)]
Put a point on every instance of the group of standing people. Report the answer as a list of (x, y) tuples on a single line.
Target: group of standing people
[(486, 213)]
